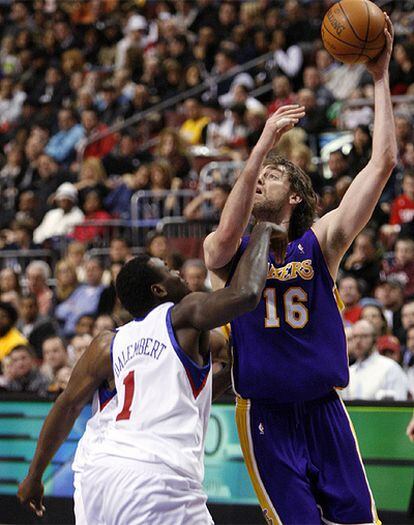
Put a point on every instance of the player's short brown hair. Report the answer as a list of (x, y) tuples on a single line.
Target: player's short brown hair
[(303, 215)]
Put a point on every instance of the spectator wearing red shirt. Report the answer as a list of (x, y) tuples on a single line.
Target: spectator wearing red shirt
[(92, 126), (402, 208), (350, 295), (94, 212)]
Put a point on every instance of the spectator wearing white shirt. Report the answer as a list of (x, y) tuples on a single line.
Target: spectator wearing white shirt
[(373, 376), (61, 220)]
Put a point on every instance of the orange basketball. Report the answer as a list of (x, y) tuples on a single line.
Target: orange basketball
[(353, 31)]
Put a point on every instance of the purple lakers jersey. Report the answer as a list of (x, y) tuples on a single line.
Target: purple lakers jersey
[(292, 347)]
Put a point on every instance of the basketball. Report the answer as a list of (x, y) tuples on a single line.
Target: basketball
[(353, 31)]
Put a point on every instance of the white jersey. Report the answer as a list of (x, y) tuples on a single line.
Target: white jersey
[(164, 397), (103, 410)]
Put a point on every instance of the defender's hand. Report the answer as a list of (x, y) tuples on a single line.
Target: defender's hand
[(282, 120), (30, 495), (278, 239), (379, 65)]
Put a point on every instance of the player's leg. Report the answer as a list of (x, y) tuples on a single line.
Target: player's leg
[(80, 518), (342, 488), (140, 493), (274, 450)]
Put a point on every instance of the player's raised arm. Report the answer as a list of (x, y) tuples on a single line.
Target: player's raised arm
[(204, 311), (337, 229), (221, 245), (90, 371)]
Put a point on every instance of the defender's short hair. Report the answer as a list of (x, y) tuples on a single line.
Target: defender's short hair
[(133, 284)]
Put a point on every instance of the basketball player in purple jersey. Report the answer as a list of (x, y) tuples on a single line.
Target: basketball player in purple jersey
[(290, 352)]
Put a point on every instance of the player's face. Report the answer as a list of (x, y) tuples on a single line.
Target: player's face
[(272, 193), (172, 281)]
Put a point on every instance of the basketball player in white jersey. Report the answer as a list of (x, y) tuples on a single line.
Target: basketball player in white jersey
[(151, 463)]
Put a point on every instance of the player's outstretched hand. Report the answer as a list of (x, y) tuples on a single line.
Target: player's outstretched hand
[(410, 430), (379, 65), (282, 120), (30, 495)]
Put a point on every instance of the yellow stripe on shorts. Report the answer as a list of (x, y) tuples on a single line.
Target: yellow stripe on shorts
[(243, 427)]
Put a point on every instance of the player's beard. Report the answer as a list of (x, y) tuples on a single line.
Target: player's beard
[(268, 211)]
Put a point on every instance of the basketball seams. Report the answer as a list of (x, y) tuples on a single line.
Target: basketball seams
[(348, 43), (349, 22)]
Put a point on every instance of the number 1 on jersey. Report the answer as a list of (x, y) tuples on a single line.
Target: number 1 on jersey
[(271, 319), (129, 383)]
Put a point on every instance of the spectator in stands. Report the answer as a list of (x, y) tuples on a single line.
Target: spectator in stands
[(350, 293), (360, 152), (338, 164), (55, 356), (35, 327), (157, 245), (211, 133), (314, 121), (402, 68), (92, 177), (84, 299), (10, 336), (75, 255), (283, 94), (11, 102), (133, 40), (408, 359), (402, 266), (112, 108), (6, 367), (374, 313), (37, 275), (407, 315), (373, 376), (86, 232), (84, 325), (390, 293), (91, 128), (402, 208), (61, 146), (62, 219), (125, 158), (363, 263), (192, 128), (389, 346), (171, 150), (53, 89), (199, 208), (118, 200), (61, 380), (224, 61), (194, 272), (312, 80), (403, 132), (9, 287), (233, 130), (301, 155), (108, 301), (66, 281), (103, 322), (78, 345), (119, 250), (26, 375), (286, 58), (240, 95)]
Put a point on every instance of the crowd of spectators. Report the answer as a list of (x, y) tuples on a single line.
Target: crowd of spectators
[(70, 70)]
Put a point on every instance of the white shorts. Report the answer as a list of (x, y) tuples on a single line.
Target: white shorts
[(80, 518), (118, 491)]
